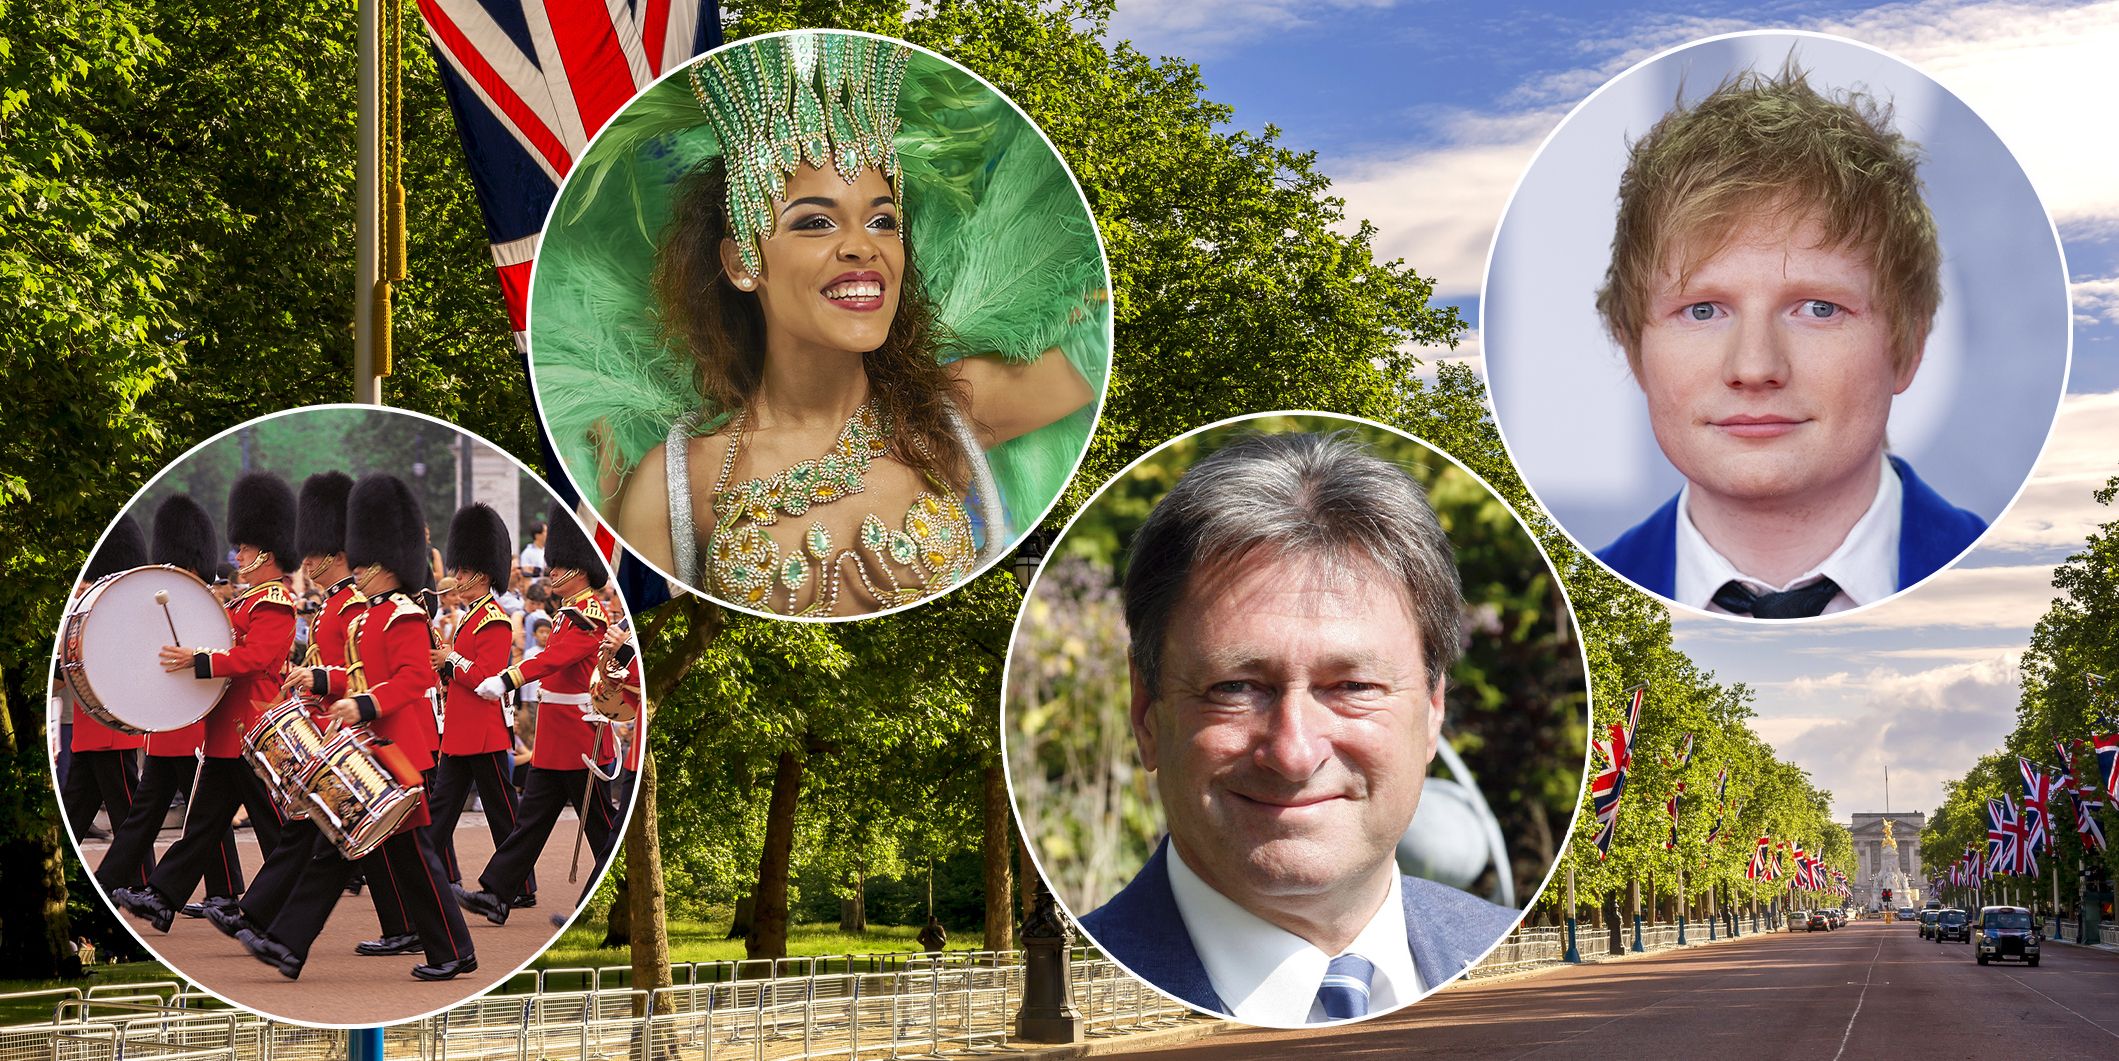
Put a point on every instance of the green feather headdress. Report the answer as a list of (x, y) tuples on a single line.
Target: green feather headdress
[(1005, 244)]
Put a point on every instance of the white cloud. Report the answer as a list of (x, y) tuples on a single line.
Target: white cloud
[(2040, 77), (2056, 512), (1468, 351), (1926, 725), (1193, 28), (2096, 301)]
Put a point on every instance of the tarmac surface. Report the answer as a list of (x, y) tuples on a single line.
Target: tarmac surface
[(1869, 990), (339, 987)]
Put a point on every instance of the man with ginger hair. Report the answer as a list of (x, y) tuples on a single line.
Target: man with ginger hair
[(1774, 274)]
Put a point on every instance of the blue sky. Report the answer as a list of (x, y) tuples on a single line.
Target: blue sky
[(1425, 114)]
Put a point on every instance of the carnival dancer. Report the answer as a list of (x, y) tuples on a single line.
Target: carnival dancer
[(385, 685), (183, 538), (566, 739), (475, 737), (261, 527), (105, 770)]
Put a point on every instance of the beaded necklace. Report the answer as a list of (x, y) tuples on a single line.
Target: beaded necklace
[(744, 563)]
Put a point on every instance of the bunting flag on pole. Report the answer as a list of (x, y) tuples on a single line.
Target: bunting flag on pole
[(530, 82), (2087, 804), (1610, 782), (1672, 806), (2037, 795)]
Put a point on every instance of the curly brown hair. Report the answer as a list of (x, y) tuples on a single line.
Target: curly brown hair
[(723, 331)]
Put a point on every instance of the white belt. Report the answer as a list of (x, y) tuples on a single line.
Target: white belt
[(576, 699)]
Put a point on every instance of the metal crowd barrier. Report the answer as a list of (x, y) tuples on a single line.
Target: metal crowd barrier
[(851, 1007)]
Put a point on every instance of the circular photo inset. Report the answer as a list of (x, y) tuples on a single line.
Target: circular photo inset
[(820, 324), (341, 690), (1743, 292), (1295, 719)]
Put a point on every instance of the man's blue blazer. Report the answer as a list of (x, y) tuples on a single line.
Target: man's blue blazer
[(1931, 532), (1141, 928)]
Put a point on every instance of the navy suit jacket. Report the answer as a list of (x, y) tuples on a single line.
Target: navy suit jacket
[(1141, 928), (1931, 532)]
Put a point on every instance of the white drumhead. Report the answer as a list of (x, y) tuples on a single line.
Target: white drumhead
[(123, 633)]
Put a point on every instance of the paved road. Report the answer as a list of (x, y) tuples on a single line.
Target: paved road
[(1869, 990), (339, 987)]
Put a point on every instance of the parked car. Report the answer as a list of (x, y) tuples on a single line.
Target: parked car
[(1818, 921), (1952, 924), (1927, 923), (2006, 932)]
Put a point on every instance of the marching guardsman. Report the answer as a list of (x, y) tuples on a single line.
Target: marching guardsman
[(320, 538), (105, 771), (183, 538), (566, 741), (385, 685), (261, 528), (474, 733)]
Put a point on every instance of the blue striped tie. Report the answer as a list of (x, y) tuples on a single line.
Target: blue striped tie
[(1345, 991)]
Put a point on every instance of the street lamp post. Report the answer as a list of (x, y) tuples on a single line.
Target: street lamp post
[(1573, 955), (1048, 1014)]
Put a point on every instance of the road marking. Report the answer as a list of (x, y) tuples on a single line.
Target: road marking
[(2064, 1006), (1858, 999)]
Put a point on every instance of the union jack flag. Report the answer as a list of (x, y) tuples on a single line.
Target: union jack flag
[(1684, 758), (2107, 746), (530, 82), (1721, 806), (1610, 783), (2087, 804), (2037, 795), (1759, 869), (2001, 838)]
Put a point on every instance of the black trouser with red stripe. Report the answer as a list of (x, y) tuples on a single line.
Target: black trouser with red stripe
[(546, 794), (405, 857), (452, 790), (96, 780), (224, 785), (131, 857)]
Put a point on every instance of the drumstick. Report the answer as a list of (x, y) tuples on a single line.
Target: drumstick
[(162, 598)]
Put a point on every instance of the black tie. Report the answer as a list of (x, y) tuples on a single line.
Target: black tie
[(1800, 602)]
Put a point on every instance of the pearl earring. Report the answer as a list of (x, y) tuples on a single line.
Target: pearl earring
[(746, 283)]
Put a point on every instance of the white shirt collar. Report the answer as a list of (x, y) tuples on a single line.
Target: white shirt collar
[(1269, 976), (1865, 565)]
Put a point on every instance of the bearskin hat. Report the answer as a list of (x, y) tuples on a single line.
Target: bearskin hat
[(320, 519), (566, 546), (261, 514), (384, 525), (123, 549), (184, 537), (478, 541)]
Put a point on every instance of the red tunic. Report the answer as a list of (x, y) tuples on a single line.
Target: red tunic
[(329, 635), (93, 736), (263, 618), (485, 645), (389, 675), (563, 672)]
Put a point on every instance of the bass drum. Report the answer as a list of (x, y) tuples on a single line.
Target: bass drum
[(110, 649)]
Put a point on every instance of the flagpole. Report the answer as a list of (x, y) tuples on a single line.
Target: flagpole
[(367, 196)]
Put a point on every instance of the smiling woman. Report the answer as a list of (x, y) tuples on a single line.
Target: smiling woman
[(734, 334)]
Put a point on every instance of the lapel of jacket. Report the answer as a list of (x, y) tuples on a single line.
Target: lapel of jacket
[(1143, 929)]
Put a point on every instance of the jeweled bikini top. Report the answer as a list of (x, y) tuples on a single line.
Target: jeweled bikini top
[(932, 550)]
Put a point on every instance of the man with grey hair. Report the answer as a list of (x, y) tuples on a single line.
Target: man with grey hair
[(1294, 608)]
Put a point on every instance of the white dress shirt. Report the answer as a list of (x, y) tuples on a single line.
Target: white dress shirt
[(1865, 565), (1269, 976)]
